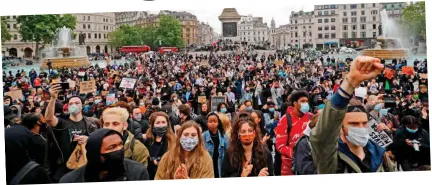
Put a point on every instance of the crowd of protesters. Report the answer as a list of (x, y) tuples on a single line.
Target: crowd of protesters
[(167, 126)]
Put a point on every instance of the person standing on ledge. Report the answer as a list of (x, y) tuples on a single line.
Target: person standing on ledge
[(340, 142)]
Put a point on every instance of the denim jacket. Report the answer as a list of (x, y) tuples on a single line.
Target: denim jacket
[(223, 146)]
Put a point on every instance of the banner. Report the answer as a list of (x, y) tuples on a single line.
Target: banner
[(15, 95), (215, 100), (380, 137), (87, 87), (389, 73), (408, 70), (128, 83), (110, 99)]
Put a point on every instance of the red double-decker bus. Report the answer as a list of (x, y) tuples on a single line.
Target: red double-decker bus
[(135, 49), (162, 50)]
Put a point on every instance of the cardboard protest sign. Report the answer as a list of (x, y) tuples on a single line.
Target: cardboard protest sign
[(389, 73), (87, 87), (360, 92), (202, 99), (423, 76), (408, 70), (215, 100), (279, 62), (15, 95), (78, 157), (380, 137), (81, 73), (128, 83), (72, 84), (110, 99)]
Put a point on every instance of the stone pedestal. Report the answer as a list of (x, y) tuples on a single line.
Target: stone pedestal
[(229, 19)]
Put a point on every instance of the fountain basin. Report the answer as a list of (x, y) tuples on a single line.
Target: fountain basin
[(68, 62), (386, 54)]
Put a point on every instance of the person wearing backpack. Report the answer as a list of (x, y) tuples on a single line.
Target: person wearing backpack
[(116, 119), (302, 159), (290, 128), (19, 168)]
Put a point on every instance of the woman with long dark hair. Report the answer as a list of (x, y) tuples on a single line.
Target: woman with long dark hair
[(159, 137), (258, 118), (246, 155)]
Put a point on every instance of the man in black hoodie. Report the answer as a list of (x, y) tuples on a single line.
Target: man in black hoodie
[(105, 161)]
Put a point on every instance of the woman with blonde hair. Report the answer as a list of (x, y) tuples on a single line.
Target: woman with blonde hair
[(158, 139), (187, 158), (226, 124)]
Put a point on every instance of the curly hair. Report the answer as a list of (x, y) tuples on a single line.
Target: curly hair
[(236, 151)]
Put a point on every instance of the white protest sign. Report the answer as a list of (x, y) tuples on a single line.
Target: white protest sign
[(128, 83), (361, 92), (81, 73), (379, 137)]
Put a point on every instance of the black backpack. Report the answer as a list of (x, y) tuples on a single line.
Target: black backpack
[(294, 168), (23, 172)]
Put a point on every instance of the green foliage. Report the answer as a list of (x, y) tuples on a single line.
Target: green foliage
[(42, 28), (167, 33), (414, 19), (5, 35)]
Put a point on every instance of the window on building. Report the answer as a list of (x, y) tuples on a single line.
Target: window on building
[(7, 17), (354, 19), (363, 12), (326, 20), (319, 20), (296, 34), (333, 35), (374, 18), (100, 36), (333, 12), (345, 27), (296, 21), (84, 26), (304, 34), (310, 34), (374, 34), (363, 34), (88, 26), (319, 28), (333, 27), (345, 35), (333, 20), (319, 7), (89, 35), (354, 27), (326, 12), (296, 27), (14, 17), (326, 28), (353, 6), (362, 19), (88, 18), (15, 36), (363, 26), (345, 14), (310, 27), (310, 20), (326, 6), (354, 34), (95, 35), (374, 26), (319, 12), (362, 5), (320, 35), (326, 35), (15, 26), (344, 6), (353, 13), (373, 5), (345, 20)]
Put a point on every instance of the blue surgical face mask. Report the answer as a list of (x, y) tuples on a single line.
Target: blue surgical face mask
[(304, 108), (249, 108), (411, 131), (223, 110), (378, 107), (271, 109), (97, 101), (384, 112)]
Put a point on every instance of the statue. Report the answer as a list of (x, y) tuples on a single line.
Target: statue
[(81, 38)]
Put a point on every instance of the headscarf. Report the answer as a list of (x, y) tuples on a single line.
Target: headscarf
[(17, 141)]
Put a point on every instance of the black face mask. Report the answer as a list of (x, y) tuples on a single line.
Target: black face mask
[(160, 131), (113, 160)]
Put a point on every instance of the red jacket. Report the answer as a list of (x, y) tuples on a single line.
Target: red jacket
[(298, 126)]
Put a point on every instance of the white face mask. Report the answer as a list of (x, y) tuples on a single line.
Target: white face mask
[(358, 136)]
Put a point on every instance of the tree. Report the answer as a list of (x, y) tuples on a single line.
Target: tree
[(169, 31), (41, 28), (5, 35), (414, 19), (126, 35)]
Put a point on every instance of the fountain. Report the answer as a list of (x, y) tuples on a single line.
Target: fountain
[(387, 46), (63, 52)]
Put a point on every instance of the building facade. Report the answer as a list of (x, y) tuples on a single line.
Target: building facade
[(301, 29), (94, 26), (253, 30), (205, 34), (129, 18), (395, 9)]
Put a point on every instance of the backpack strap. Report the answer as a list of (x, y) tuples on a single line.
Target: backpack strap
[(289, 126), (23, 172)]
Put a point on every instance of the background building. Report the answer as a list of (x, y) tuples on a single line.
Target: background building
[(301, 29), (129, 18), (95, 27), (205, 34), (253, 30), (394, 10)]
